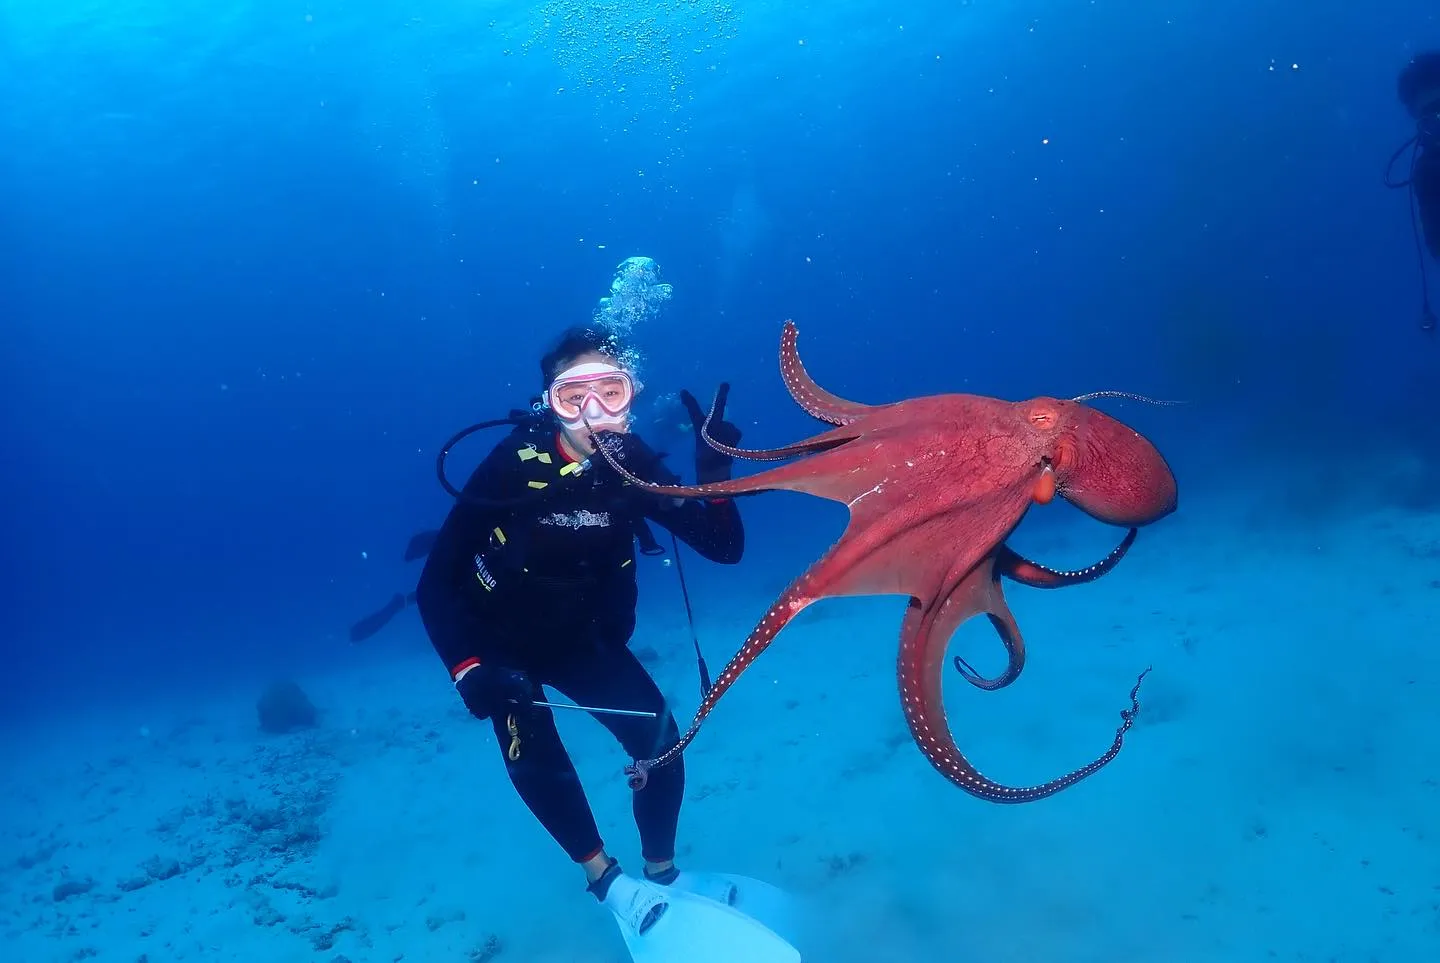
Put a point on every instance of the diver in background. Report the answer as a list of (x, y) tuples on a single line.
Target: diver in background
[(1418, 88)]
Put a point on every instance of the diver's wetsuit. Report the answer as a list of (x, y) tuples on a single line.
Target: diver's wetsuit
[(1425, 181), (548, 587)]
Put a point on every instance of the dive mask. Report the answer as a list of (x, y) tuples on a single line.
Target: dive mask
[(594, 392)]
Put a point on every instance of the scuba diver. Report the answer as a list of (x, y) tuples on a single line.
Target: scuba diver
[(530, 582), (1418, 88)]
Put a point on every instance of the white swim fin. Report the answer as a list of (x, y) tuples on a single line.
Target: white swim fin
[(758, 900), (662, 924)]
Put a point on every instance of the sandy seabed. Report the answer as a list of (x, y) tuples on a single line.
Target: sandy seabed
[(1278, 799)]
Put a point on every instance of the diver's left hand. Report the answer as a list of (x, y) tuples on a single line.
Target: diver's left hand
[(712, 465)]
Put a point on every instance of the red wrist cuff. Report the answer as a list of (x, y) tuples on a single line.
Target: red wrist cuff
[(456, 672)]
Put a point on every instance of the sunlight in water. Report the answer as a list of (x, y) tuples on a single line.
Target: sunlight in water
[(624, 50)]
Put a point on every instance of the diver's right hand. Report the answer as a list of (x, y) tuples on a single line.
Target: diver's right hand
[(488, 689)]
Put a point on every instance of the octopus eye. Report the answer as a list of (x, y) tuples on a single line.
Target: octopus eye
[(1045, 418)]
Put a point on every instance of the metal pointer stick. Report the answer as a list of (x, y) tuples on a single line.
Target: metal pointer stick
[(602, 711)]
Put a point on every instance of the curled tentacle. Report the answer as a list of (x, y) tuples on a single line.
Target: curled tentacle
[(919, 673), (1009, 632), (816, 401), (967, 777), (1031, 573), (1015, 566)]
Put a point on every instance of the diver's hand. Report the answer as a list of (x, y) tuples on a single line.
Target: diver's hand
[(712, 465), (487, 689)]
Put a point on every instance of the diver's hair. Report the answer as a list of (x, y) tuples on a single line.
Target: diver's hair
[(572, 343), (1418, 85)]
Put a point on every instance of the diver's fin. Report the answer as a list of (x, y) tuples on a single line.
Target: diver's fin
[(758, 900), (420, 545), (661, 924), (376, 621), (646, 537)]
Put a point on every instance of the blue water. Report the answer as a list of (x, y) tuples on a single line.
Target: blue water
[(259, 260)]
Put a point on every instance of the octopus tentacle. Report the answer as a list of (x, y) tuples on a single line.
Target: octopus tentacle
[(1015, 566), (816, 401), (786, 607), (807, 447), (1127, 395), (919, 673), (800, 476), (1009, 632), (980, 591), (710, 490), (959, 770)]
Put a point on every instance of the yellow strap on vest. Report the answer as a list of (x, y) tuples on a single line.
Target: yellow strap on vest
[(530, 451)]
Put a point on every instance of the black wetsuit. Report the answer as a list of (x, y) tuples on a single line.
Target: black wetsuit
[(1425, 181), (547, 586)]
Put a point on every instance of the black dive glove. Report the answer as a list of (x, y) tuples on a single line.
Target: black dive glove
[(488, 689), (712, 465)]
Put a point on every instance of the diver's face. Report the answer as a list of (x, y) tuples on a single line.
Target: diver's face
[(590, 387)]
